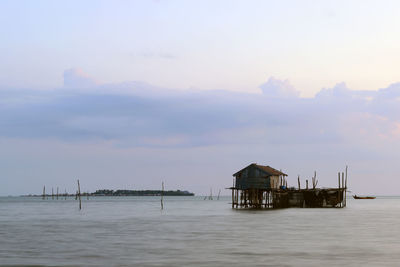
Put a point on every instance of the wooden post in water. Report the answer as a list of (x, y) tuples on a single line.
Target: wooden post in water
[(307, 184), (79, 195), (340, 204), (52, 193), (66, 193), (314, 180), (345, 188), (57, 193), (298, 181), (233, 186), (87, 195), (44, 192), (162, 195), (219, 192)]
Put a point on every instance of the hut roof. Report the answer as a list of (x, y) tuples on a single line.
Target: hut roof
[(266, 169)]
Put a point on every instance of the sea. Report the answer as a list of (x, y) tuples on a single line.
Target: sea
[(191, 231)]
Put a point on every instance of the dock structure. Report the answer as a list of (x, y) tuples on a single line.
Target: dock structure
[(263, 187)]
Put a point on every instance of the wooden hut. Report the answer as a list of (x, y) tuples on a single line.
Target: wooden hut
[(259, 186), (257, 176), (254, 186)]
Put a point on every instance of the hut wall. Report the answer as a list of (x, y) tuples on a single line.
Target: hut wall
[(252, 178), (274, 182), (253, 182)]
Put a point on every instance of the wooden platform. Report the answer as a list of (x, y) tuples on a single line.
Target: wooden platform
[(288, 198)]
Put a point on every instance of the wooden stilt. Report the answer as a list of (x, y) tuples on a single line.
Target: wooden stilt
[(233, 198)]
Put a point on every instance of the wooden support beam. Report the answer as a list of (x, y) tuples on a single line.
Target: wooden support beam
[(233, 201)]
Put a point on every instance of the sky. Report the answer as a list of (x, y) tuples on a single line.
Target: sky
[(127, 94)]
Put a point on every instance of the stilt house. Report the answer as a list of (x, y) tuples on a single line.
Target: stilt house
[(258, 186), (257, 176)]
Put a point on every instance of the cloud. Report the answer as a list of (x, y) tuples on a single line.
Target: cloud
[(135, 128), (279, 88), (139, 114)]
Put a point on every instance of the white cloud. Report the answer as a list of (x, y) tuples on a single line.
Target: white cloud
[(279, 88)]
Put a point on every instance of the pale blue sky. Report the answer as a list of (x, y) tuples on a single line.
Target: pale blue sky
[(231, 45), (119, 93)]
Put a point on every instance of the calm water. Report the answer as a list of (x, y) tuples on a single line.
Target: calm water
[(132, 231)]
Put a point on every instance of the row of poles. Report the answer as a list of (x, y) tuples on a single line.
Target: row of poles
[(314, 181), (210, 197), (77, 195)]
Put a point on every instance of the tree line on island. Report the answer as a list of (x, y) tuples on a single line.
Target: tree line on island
[(107, 192)]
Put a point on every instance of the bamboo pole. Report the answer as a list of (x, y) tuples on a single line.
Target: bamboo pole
[(162, 195), (79, 195), (315, 181), (344, 189), (339, 189), (298, 181), (345, 192)]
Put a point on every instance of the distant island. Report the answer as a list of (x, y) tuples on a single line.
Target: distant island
[(107, 192), (121, 193)]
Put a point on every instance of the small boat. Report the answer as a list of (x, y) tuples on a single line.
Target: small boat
[(367, 197)]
